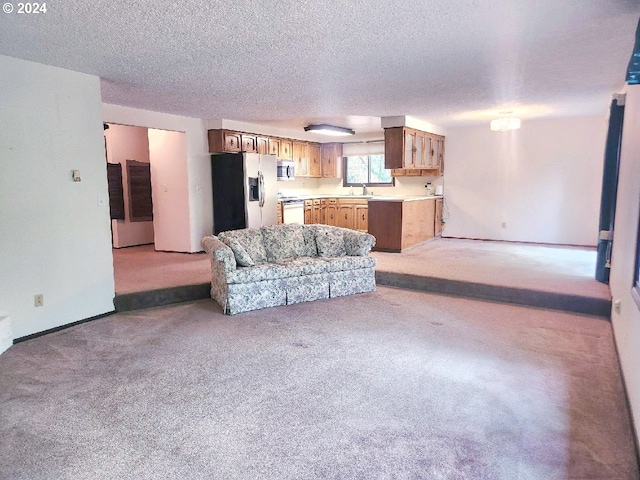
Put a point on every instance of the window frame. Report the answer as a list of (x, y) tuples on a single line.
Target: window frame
[(345, 166)]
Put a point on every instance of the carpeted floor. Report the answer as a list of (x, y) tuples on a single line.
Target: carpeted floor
[(141, 268), (547, 268), (391, 384)]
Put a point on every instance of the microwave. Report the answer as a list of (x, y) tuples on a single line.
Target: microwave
[(285, 170)]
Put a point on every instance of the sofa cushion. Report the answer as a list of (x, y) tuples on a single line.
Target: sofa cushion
[(283, 241), (339, 264), (258, 273), (330, 241), (304, 266), (358, 243), (251, 241), (310, 248), (243, 259)]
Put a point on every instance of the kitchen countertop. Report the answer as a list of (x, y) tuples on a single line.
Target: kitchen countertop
[(375, 198)]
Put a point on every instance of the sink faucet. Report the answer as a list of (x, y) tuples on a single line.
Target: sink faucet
[(364, 189)]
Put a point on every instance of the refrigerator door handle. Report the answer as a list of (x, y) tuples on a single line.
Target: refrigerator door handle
[(261, 189)]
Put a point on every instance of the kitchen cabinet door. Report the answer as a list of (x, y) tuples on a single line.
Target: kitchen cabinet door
[(420, 156), (408, 159), (308, 215), (438, 218), (361, 217), (331, 158), (262, 145), (274, 147), (331, 215), (286, 152), (317, 214), (301, 159), (232, 142), (248, 143), (315, 160), (345, 216)]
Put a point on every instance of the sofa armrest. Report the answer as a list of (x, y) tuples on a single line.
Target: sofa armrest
[(358, 243), (219, 252)]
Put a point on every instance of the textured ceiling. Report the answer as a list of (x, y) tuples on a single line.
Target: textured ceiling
[(291, 61)]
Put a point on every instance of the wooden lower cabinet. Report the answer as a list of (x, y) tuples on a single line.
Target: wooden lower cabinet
[(346, 213), (279, 209), (438, 218), (345, 216), (398, 225), (361, 215)]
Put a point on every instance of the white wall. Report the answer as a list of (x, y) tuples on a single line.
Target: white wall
[(55, 238), (197, 183), (169, 182), (128, 143), (543, 181), (626, 325)]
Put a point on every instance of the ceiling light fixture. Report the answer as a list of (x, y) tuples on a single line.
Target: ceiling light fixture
[(505, 124), (326, 129)]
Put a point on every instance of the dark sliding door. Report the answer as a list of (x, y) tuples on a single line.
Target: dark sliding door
[(609, 190)]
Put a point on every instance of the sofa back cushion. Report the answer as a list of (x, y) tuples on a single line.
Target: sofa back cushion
[(330, 241), (283, 241), (251, 241), (310, 249), (242, 257)]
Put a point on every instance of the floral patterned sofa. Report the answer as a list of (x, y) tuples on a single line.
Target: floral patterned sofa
[(286, 264)]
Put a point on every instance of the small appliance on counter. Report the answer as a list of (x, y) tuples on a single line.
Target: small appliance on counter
[(439, 190), (286, 170)]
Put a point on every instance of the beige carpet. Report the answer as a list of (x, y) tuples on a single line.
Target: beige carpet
[(139, 269), (391, 384), (565, 270)]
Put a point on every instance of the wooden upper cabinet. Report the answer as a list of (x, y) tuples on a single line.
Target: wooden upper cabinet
[(410, 152), (248, 143), (232, 142), (315, 160), (286, 152), (331, 158), (274, 147), (301, 159), (394, 147), (262, 145)]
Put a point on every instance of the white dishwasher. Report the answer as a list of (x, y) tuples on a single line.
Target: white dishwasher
[(293, 211)]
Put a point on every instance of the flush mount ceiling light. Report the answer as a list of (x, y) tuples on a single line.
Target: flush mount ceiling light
[(505, 124), (326, 129)]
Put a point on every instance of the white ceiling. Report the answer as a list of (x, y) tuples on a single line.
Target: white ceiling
[(293, 62)]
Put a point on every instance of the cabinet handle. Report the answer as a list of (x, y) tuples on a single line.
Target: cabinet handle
[(362, 216), (345, 216)]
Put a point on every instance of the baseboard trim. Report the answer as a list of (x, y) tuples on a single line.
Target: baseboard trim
[(518, 296), (61, 327)]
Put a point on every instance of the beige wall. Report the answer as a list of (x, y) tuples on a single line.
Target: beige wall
[(55, 237), (128, 143), (543, 181), (626, 324)]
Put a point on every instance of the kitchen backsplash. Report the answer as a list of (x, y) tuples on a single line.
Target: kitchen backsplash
[(311, 186)]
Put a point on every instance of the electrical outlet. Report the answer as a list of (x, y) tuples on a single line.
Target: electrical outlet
[(504, 224), (38, 300), (616, 306)]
